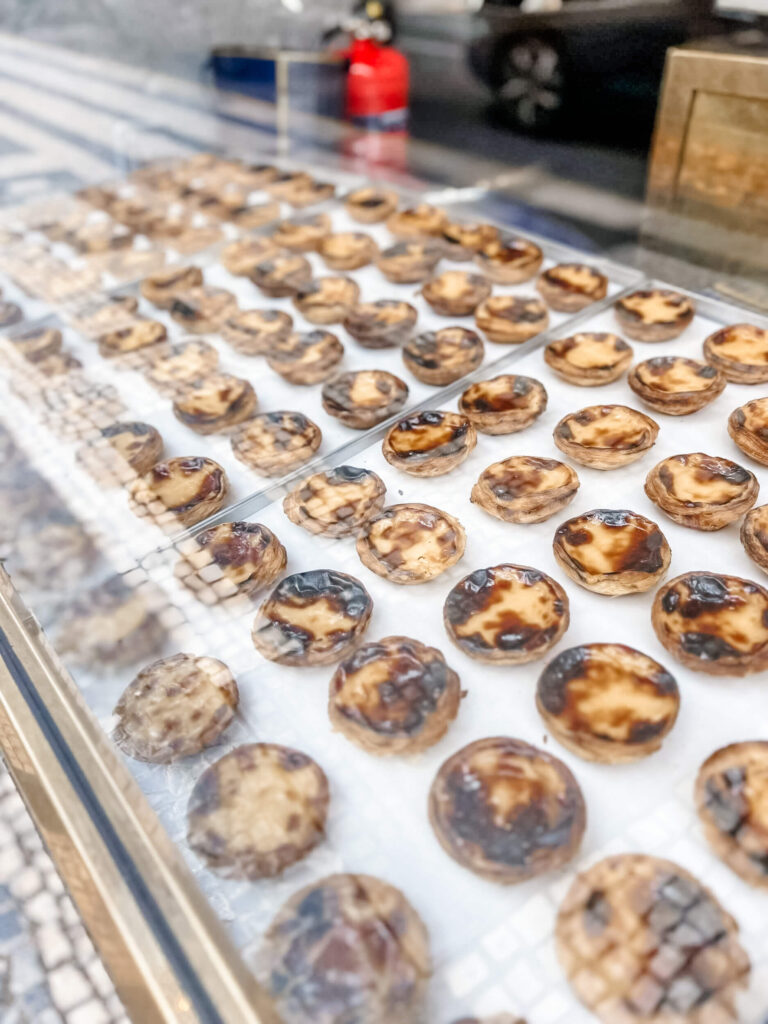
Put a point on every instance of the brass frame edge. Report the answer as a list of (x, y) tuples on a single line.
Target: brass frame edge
[(133, 953)]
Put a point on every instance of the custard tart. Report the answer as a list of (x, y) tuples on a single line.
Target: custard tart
[(122, 451), (337, 502), (510, 260), (606, 436), (230, 559), (589, 359), (347, 250), (704, 492), (655, 314), (326, 300), (254, 332), (456, 292), (370, 205), (511, 320), (141, 334), (441, 357), (385, 323), (281, 274), (754, 535), (675, 385), (273, 443), (180, 492), (175, 367), (429, 443), (164, 286), (525, 488), (302, 234), (409, 262), (748, 426), (306, 358), (411, 543), (215, 404), (416, 221), (364, 398), (570, 287), (505, 404), (740, 353), (203, 310), (462, 240), (242, 256)]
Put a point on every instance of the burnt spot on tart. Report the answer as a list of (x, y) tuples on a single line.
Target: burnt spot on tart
[(676, 385), (655, 314), (569, 287), (506, 810), (416, 221), (385, 323), (37, 344), (312, 618), (462, 240), (364, 398), (754, 535), (10, 314), (122, 451), (174, 367), (181, 491), (230, 559), (511, 319), (302, 234), (254, 332), (704, 492), (175, 708), (162, 287), (337, 502), (257, 810), (714, 623), (606, 436), (504, 404), (272, 443), (612, 551), (511, 614), (307, 357), (347, 250), (456, 292), (242, 256), (681, 958), (740, 352), (732, 802), (441, 357), (510, 260), (394, 696), (203, 309), (429, 443), (326, 300), (216, 403), (748, 426), (411, 543), (369, 205), (139, 335), (346, 941), (409, 262), (589, 358), (608, 702), (282, 274), (525, 488)]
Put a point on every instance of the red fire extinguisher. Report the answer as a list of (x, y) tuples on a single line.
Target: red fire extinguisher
[(377, 86)]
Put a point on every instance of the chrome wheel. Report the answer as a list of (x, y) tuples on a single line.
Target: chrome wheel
[(533, 81)]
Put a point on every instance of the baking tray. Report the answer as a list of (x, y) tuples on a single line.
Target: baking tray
[(492, 945)]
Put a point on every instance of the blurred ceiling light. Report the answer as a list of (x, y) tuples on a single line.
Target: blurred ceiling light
[(295, 6)]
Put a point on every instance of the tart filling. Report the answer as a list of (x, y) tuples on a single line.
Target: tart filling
[(702, 491), (180, 492), (411, 543), (347, 250), (606, 436), (589, 359), (456, 292), (612, 551), (732, 802), (608, 702), (272, 443), (175, 708), (336, 503), (254, 332), (365, 398), (312, 618), (714, 624), (326, 300), (302, 234), (569, 287), (525, 488), (510, 614), (656, 314), (140, 335), (241, 257), (409, 262), (748, 426), (215, 404), (177, 366), (416, 221), (429, 443), (754, 535), (122, 451), (162, 288), (385, 323), (394, 696), (307, 193), (462, 241), (307, 358), (675, 385), (441, 357), (505, 404), (510, 320), (510, 260), (370, 205), (282, 274), (674, 951), (740, 353), (362, 923), (203, 309), (230, 559), (257, 810), (506, 810)]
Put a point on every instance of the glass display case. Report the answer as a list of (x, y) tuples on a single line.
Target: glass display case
[(208, 516)]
